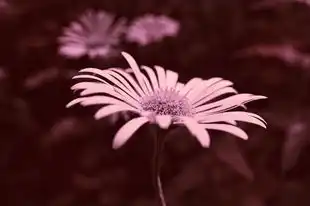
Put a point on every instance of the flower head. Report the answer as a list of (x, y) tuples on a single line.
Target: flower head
[(95, 34), (150, 28), (157, 97)]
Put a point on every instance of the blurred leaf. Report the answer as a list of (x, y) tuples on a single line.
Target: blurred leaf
[(227, 150), (41, 78), (296, 139), (62, 131)]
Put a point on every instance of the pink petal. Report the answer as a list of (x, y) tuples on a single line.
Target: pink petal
[(191, 84), (127, 130), (152, 76), (133, 64), (197, 130), (228, 128), (75, 51), (163, 121), (172, 78), (111, 109), (161, 76)]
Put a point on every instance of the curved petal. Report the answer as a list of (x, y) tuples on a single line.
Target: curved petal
[(86, 76), (171, 79), (224, 108), (228, 103), (94, 100), (127, 130), (130, 79), (149, 89), (152, 77), (161, 76), (97, 88), (198, 91), (190, 85), (123, 81), (236, 116), (197, 130), (91, 85), (179, 86), (227, 128), (117, 83), (214, 88), (214, 95), (133, 64), (111, 109)]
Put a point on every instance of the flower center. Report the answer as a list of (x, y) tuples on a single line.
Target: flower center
[(166, 102)]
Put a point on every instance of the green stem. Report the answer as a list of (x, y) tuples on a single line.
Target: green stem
[(158, 147)]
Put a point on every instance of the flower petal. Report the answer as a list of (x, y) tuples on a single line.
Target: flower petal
[(130, 79), (86, 76), (214, 88), (171, 79), (133, 64), (164, 121), (127, 130), (161, 76), (190, 85), (179, 86), (91, 85), (152, 77), (236, 116), (197, 92), (111, 109), (228, 103), (73, 50), (214, 95), (227, 128), (97, 88), (95, 100), (197, 130)]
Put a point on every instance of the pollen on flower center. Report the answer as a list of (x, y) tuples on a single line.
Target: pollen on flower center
[(166, 102)]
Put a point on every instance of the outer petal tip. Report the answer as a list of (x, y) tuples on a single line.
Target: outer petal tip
[(261, 97), (73, 102), (125, 54), (125, 132), (198, 131), (115, 145)]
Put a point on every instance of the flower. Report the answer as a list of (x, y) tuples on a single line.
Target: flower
[(150, 28), (95, 34), (285, 52), (158, 97)]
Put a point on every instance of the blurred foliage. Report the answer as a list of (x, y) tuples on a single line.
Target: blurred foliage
[(53, 156)]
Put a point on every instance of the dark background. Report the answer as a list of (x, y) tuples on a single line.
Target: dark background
[(53, 156)]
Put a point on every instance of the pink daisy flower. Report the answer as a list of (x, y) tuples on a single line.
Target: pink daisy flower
[(96, 34), (150, 28), (157, 97)]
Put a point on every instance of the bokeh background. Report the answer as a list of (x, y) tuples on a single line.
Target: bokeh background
[(53, 156)]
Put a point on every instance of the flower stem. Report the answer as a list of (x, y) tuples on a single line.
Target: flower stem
[(158, 147)]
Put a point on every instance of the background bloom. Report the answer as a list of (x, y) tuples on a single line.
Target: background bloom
[(94, 34), (150, 28), (158, 97), (288, 53)]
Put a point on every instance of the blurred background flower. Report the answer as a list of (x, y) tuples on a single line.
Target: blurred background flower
[(284, 52), (151, 28), (95, 34)]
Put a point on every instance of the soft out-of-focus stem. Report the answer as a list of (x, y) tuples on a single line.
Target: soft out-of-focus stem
[(158, 147)]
